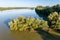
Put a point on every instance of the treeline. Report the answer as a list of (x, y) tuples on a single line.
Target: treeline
[(51, 15), (11, 8), (45, 11)]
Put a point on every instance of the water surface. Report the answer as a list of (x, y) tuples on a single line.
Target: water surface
[(8, 15)]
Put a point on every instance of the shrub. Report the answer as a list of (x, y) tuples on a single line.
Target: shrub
[(54, 19), (29, 23)]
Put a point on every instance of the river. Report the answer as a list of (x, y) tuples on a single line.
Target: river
[(8, 15)]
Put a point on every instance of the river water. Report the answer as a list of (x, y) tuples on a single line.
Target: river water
[(8, 15)]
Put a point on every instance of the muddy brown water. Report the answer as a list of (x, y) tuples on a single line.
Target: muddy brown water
[(6, 34)]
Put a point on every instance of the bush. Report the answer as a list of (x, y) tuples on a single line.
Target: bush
[(54, 20), (29, 23)]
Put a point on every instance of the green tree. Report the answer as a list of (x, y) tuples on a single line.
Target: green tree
[(54, 20)]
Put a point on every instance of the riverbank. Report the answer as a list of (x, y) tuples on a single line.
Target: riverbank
[(11, 8)]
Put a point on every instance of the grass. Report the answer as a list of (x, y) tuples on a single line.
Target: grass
[(51, 35)]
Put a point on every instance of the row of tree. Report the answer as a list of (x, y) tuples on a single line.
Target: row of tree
[(45, 11), (50, 14)]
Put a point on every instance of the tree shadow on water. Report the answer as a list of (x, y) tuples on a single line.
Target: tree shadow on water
[(47, 36), (6, 22)]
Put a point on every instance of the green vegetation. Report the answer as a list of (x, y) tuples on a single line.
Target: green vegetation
[(29, 23), (11, 8), (51, 15), (54, 19), (45, 11)]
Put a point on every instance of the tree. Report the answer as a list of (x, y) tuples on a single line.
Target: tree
[(54, 20), (29, 23)]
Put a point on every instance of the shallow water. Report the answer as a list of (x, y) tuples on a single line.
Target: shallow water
[(8, 15)]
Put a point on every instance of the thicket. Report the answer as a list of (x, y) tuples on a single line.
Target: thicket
[(29, 23)]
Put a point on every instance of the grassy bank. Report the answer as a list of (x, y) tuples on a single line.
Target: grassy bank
[(11, 8)]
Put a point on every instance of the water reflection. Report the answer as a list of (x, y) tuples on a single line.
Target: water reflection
[(6, 22)]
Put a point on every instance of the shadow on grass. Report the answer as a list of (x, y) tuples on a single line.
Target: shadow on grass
[(7, 21), (58, 30), (47, 36)]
